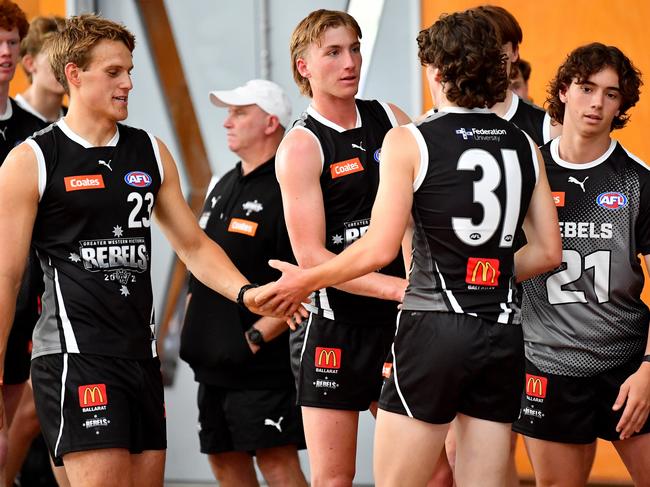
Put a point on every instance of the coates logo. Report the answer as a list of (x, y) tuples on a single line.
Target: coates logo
[(344, 168), (92, 395), (536, 386), (482, 272), (245, 227), (386, 369), (612, 200), (138, 179), (90, 181), (328, 358), (558, 198)]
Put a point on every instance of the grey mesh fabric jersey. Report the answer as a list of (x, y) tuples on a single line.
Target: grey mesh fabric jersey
[(476, 176), (587, 316)]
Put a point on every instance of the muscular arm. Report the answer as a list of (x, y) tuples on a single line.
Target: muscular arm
[(298, 168), (634, 394), (203, 257), (543, 250), (18, 207), (382, 240)]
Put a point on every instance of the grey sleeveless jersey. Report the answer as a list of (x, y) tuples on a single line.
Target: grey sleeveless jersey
[(587, 316)]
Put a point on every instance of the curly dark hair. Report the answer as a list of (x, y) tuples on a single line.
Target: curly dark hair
[(466, 49), (11, 15), (590, 59)]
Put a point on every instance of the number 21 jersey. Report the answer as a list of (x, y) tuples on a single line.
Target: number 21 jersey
[(92, 235), (587, 316)]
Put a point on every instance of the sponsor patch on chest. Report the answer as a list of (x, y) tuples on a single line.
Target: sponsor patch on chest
[(344, 168), (88, 181), (245, 227)]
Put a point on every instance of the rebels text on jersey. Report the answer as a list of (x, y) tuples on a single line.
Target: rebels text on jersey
[(587, 316), (349, 182), (476, 177), (92, 235)]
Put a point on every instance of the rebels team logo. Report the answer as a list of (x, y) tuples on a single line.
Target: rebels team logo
[(612, 200), (92, 395), (482, 271), (328, 358), (89, 181), (343, 168), (138, 179), (558, 198), (536, 386)]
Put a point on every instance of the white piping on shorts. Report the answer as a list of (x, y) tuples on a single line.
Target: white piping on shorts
[(63, 377), (399, 391)]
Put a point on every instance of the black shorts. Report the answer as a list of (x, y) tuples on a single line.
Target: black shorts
[(247, 420), (338, 365), (447, 363), (572, 409), (90, 402)]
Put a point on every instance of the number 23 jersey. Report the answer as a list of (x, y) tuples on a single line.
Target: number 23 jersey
[(587, 316), (92, 235)]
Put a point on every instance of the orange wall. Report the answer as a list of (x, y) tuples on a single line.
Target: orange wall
[(553, 28), (33, 8)]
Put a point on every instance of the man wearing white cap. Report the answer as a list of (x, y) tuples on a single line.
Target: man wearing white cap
[(246, 395)]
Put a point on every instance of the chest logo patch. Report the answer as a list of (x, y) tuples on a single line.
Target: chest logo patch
[(245, 227), (482, 272), (89, 181), (343, 168), (138, 179), (252, 207), (558, 198), (612, 200)]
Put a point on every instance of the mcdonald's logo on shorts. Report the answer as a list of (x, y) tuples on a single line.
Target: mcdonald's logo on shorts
[(536, 386), (92, 395), (482, 272), (328, 358)]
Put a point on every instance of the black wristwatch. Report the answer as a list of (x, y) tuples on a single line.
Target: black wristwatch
[(242, 291), (255, 336), (646, 358)]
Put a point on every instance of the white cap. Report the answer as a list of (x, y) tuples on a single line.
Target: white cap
[(267, 95)]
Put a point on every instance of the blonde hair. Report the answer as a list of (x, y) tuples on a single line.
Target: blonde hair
[(40, 30), (308, 31), (74, 43)]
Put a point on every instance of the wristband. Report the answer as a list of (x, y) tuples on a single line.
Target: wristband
[(242, 291), (646, 358)]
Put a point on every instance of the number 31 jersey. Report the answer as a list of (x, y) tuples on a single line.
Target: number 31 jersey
[(587, 316), (476, 177), (92, 235)]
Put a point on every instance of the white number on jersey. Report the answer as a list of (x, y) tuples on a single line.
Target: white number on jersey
[(144, 221), (599, 261), (483, 194)]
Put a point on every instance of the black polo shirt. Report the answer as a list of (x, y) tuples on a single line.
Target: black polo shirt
[(244, 215)]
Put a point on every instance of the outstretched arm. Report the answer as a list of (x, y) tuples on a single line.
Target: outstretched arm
[(298, 167), (381, 242), (203, 257)]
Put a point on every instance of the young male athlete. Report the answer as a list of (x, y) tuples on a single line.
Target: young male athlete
[(328, 169), (470, 180), (83, 190), (44, 96), (585, 326), (246, 396), (528, 117)]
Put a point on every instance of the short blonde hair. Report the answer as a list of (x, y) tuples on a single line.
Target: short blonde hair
[(74, 43), (40, 30), (309, 30)]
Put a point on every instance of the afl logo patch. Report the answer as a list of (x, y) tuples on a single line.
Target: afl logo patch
[(138, 179), (612, 200), (377, 155)]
